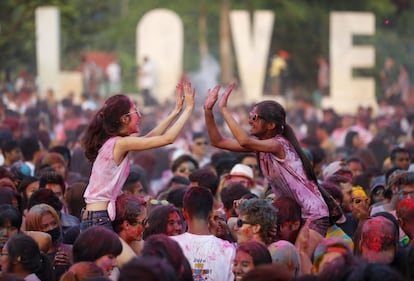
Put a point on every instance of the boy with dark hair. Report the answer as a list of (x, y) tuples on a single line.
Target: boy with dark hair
[(211, 258)]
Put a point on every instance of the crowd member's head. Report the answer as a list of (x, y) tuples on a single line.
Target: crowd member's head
[(400, 157), (240, 173), (11, 152), (360, 203), (184, 165), (256, 221), (130, 217), (197, 204), (27, 187), (379, 240), (377, 190), (10, 222), (249, 254), (22, 256), (285, 254), (42, 217), (355, 165), (82, 271), (405, 214), (404, 185), (161, 246), (30, 148), (74, 198), (133, 184), (164, 219), (99, 245), (148, 268), (267, 272), (250, 159), (329, 250), (374, 271), (205, 177), (10, 196), (217, 224), (289, 219), (45, 196), (231, 193), (56, 161), (54, 181), (200, 148), (176, 196)]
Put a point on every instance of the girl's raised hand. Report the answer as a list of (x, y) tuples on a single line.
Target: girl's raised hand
[(189, 93), (226, 94), (211, 98), (179, 97)]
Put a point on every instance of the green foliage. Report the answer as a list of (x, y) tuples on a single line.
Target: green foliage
[(301, 27)]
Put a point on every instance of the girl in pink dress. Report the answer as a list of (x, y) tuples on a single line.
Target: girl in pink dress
[(112, 133), (282, 161)]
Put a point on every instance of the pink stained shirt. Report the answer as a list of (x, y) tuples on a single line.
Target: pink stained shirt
[(107, 178), (287, 177)]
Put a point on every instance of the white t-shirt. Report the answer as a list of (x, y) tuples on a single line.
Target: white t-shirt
[(211, 258)]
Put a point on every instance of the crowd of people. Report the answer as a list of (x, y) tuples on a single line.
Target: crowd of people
[(122, 191)]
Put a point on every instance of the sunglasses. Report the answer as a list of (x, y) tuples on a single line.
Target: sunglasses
[(143, 223), (185, 169), (255, 117), (201, 143), (133, 112), (240, 222), (159, 202)]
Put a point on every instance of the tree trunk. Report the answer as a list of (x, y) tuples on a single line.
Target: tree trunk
[(226, 55)]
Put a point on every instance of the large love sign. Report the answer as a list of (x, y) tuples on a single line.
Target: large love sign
[(160, 36)]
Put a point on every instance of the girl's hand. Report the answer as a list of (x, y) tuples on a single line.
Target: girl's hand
[(179, 97), (189, 94), (226, 94), (211, 98)]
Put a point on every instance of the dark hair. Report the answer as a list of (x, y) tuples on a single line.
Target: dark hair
[(158, 220), (397, 150), (105, 124), (7, 194), (96, 242), (74, 198), (176, 196), (52, 177), (132, 178), (257, 250), (23, 249), (334, 190), (198, 135), (28, 147), (182, 159), (26, 181), (82, 271), (128, 207), (147, 269), (205, 177), (10, 215), (287, 210), (9, 145), (263, 213), (64, 151), (162, 246), (268, 272), (45, 196), (198, 202), (234, 191), (374, 271), (272, 111)]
